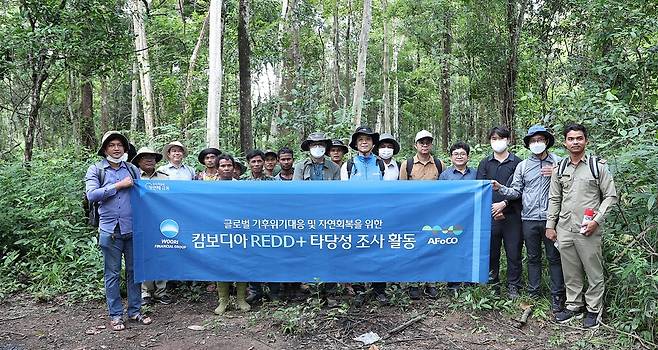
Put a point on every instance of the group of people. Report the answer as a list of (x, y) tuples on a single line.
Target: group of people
[(537, 200)]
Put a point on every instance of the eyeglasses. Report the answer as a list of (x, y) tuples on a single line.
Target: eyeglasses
[(460, 155), (425, 142)]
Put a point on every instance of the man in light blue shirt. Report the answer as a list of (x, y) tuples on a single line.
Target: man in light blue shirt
[(459, 170), (175, 152)]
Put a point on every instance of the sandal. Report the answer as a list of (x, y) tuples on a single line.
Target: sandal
[(145, 320), (117, 324)]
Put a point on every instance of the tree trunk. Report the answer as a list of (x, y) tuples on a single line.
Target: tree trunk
[(70, 101), (190, 71), (336, 100), (39, 76), (214, 74), (360, 82), (244, 55), (386, 63), (445, 80), (87, 114), (395, 129), (348, 58), (105, 113), (141, 47), (134, 101), (278, 69), (515, 14)]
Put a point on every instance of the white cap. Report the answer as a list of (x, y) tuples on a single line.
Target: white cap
[(423, 134)]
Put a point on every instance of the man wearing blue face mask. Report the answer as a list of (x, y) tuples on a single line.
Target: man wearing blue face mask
[(506, 224), (316, 167), (531, 182)]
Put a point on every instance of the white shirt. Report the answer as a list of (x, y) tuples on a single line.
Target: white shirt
[(391, 170), (182, 172)]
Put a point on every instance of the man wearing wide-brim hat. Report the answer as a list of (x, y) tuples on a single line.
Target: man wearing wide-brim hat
[(365, 165), (337, 151), (386, 148), (531, 182), (208, 157), (108, 183), (175, 152), (316, 166)]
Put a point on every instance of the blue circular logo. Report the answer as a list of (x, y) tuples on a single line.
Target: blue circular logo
[(169, 228)]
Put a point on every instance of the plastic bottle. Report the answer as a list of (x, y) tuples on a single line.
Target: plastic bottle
[(587, 217)]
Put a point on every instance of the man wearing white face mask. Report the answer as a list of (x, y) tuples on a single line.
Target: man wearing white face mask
[(316, 167), (531, 182), (386, 148), (506, 224)]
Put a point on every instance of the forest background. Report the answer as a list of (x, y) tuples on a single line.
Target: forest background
[(243, 74)]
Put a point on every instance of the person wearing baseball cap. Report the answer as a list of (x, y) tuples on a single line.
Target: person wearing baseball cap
[(175, 152), (423, 166)]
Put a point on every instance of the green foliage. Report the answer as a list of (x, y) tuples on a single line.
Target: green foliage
[(46, 246)]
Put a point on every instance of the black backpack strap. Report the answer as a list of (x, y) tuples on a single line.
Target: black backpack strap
[(350, 165), (382, 166), (594, 167), (562, 166), (439, 167), (132, 169), (100, 173), (410, 167)]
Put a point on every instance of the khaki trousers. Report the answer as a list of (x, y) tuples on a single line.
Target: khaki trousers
[(154, 289)]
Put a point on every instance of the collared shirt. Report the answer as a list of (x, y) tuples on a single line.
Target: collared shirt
[(576, 190), (529, 184), (279, 178), (114, 206), (492, 169), (421, 170), (453, 174), (182, 172), (303, 170), (391, 170), (157, 175), (250, 177)]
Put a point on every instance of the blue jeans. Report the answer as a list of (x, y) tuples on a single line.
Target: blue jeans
[(113, 249)]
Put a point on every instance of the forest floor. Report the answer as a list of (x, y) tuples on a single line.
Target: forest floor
[(189, 323)]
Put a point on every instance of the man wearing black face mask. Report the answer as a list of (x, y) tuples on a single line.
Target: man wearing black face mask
[(506, 225)]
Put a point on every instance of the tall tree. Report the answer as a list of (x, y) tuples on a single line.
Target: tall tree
[(386, 63), (190, 70), (336, 98), (134, 100), (515, 13), (279, 66), (142, 50), (214, 74), (445, 78), (88, 131), (105, 106), (360, 82), (244, 57)]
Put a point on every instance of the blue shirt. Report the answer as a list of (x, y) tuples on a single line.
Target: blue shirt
[(114, 206), (453, 174), (364, 168)]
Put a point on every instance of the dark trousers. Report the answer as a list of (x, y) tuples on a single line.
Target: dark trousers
[(533, 235), (507, 233)]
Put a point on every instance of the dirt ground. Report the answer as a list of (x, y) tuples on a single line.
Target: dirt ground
[(58, 324)]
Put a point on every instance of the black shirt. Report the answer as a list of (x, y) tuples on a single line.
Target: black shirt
[(491, 169)]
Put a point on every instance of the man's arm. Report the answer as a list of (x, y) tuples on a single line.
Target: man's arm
[(554, 201), (515, 188), (95, 190), (608, 193)]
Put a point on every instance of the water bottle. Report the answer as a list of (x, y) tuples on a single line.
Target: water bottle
[(587, 217)]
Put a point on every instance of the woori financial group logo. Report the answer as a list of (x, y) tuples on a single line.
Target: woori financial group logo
[(169, 228)]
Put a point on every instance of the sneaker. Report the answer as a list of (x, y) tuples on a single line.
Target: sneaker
[(165, 299), (591, 320), (565, 315), (147, 301), (513, 292), (381, 298), (432, 292), (414, 293), (557, 303)]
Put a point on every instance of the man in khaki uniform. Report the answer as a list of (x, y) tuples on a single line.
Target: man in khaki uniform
[(578, 182)]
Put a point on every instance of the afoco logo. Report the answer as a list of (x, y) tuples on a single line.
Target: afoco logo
[(450, 230)]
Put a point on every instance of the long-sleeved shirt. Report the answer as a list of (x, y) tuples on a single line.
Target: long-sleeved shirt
[(576, 190), (304, 170), (364, 168), (182, 172), (531, 186), (453, 174), (491, 169), (114, 205)]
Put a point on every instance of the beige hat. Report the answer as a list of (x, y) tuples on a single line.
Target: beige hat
[(423, 134), (112, 135), (143, 151), (167, 147)]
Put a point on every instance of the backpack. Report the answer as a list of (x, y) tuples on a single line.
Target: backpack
[(592, 162), (91, 208), (410, 166), (350, 165)]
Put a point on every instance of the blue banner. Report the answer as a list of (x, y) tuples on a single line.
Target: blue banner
[(329, 231)]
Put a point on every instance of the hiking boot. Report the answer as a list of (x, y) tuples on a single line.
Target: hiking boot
[(381, 298), (414, 293), (591, 320), (557, 303), (565, 315), (240, 292), (513, 292), (147, 301), (432, 292), (222, 294), (165, 299)]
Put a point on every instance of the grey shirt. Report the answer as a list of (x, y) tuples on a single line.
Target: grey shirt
[(303, 170), (529, 184)]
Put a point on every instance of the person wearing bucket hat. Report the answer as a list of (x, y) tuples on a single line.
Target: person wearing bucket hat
[(208, 157), (364, 165), (337, 151), (531, 182), (316, 166), (270, 162), (175, 153), (108, 183), (145, 159), (506, 214), (386, 148)]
